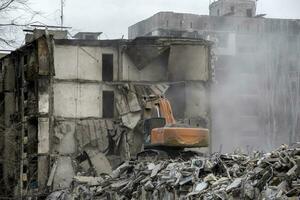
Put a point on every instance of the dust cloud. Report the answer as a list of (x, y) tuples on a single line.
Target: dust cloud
[(255, 98)]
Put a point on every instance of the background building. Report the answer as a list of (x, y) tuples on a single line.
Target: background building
[(256, 94)]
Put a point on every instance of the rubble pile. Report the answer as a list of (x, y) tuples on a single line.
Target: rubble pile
[(274, 175)]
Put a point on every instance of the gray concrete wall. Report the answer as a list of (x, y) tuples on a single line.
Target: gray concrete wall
[(237, 8), (155, 71), (79, 86), (203, 24), (189, 62), (77, 100), (2, 55), (81, 62), (197, 99), (77, 95), (164, 20)]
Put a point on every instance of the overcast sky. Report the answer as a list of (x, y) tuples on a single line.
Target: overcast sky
[(114, 16)]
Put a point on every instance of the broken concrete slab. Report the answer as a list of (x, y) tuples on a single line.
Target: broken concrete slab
[(91, 181), (64, 173), (52, 173), (130, 120), (99, 162)]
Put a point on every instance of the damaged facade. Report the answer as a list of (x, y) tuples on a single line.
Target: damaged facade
[(74, 106), (257, 69)]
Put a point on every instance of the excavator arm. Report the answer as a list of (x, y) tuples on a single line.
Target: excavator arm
[(165, 110)]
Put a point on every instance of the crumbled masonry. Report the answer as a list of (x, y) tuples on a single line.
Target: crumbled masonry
[(273, 175)]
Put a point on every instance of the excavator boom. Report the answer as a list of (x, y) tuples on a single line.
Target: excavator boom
[(166, 110)]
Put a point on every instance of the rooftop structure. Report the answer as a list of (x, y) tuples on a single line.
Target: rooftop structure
[(87, 35), (237, 8)]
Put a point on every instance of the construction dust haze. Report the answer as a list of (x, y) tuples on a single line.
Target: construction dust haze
[(256, 95)]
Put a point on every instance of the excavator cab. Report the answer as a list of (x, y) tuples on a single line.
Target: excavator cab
[(149, 125)]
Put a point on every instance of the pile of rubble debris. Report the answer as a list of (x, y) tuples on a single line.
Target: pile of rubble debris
[(275, 175)]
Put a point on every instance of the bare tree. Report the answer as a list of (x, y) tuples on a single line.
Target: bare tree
[(14, 15)]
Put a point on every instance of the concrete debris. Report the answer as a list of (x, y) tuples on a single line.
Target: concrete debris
[(121, 104), (221, 176), (99, 162), (52, 173), (64, 173), (132, 99), (127, 101), (153, 89), (93, 163), (128, 105), (130, 120), (93, 133), (88, 180), (103, 135), (57, 195), (159, 89)]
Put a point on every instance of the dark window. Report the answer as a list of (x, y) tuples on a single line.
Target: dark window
[(1, 170), (191, 24), (108, 104), (218, 12), (1, 67), (232, 9), (167, 23), (107, 67), (249, 12), (25, 60), (180, 102)]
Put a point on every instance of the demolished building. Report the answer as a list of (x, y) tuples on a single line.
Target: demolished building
[(72, 106)]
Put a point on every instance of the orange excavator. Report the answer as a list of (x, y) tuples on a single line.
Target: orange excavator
[(163, 136)]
